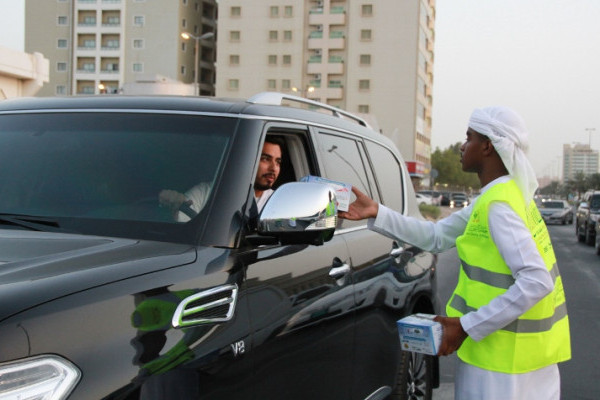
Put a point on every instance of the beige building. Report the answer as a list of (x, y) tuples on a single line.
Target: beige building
[(367, 57), (21, 74), (97, 46), (579, 158)]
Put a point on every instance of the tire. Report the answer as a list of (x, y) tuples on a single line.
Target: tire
[(580, 237), (589, 237), (415, 377)]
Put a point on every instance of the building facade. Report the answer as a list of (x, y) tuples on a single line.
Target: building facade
[(579, 158), (97, 46), (21, 74), (373, 58)]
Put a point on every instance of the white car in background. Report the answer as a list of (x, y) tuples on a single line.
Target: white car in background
[(424, 199)]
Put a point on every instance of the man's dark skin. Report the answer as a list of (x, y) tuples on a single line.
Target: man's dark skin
[(477, 155)]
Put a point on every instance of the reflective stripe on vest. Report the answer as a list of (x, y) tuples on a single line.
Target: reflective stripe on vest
[(502, 281)]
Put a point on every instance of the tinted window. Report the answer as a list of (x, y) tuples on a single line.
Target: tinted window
[(343, 163), (552, 204), (101, 166), (389, 175)]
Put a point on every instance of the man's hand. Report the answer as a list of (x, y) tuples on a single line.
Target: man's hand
[(172, 200), (363, 207), (453, 335)]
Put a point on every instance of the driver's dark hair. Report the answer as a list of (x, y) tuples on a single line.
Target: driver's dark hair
[(275, 140)]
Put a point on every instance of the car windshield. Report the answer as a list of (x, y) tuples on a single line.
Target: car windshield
[(552, 204), (595, 202), (91, 172)]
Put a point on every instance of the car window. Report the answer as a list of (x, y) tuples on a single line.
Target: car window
[(343, 163), (389, 176), (595, 202), (85, 168), (553, 204)]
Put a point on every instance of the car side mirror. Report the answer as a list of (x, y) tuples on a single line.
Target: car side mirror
[(300, 213)]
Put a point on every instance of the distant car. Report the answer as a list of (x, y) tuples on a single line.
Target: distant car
[(558, 211), (436, 197), (445, 201), (458, 199), (587, 216), (424, 199)]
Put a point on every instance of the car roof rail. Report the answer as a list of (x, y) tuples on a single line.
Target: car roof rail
[(276, 99)]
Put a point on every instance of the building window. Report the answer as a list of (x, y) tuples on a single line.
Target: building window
[(272, 84), (62, 43), (185, 2), (287, 36), (235, 11), (363, 108), (62, 20), (61, 66), (182, 70), (287, 59), (272, 60), (138, 20), (365, 34), (183, 23), (138, 67), (364, 84), (274, 11), (61, 90), (138, 43), (365, 59), (367, 10), (234, 36), (273, 36), (234, 84), (234, 59), (286, 84), (182, 46), (288, 11)]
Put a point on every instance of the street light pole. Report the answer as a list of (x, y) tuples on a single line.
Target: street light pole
[(204, 36)]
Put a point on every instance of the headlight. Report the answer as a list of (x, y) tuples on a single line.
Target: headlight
[(45, 377)]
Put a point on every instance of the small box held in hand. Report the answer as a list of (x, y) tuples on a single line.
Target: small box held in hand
[(420, 333), (342, 190)]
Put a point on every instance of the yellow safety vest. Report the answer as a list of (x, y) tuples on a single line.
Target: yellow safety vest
[(539, 337)]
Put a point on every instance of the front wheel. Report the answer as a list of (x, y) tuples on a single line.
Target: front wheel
[(415, 377)]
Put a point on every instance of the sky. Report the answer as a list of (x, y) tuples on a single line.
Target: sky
[(539, 57)]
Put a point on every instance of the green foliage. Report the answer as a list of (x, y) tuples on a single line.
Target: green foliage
[(447, 163), (429, 211)]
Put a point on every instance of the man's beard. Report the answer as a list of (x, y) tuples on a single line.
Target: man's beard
[(260, 187)]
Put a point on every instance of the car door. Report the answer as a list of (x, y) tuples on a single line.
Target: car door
[(300, 303)]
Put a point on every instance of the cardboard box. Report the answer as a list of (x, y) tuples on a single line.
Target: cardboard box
[(343, 190), (420, 333)]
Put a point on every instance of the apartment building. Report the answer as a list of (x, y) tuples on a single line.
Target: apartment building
[(579, 158), (97, 46), (373, 58)]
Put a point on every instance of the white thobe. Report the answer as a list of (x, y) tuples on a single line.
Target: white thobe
[(532, 282)]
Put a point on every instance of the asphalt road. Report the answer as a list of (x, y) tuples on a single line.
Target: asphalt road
[(580, 271)]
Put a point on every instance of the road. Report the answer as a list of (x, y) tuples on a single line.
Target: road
[(580, 271)]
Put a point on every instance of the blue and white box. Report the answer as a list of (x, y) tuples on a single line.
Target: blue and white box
[(420, 333), (342, 190)]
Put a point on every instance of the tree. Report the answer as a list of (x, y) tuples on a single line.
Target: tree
[(450, 172)]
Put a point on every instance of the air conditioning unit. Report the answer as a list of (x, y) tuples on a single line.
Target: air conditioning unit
[(317, 77), (319, 27), (320, 3), (318, 52)]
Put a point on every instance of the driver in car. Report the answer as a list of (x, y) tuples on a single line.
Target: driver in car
[(185, 206)]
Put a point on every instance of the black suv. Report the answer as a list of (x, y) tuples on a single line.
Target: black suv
[(587, 216), (105, 295)]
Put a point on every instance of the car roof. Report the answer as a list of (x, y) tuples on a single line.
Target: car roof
[(263, 105)]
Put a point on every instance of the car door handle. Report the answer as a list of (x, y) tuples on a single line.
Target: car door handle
[(397, 250), (339, 270)]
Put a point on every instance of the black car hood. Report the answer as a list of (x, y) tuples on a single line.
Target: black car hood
[(36, 267)]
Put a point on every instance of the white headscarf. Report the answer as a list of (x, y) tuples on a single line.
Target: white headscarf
[(508, 134)]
